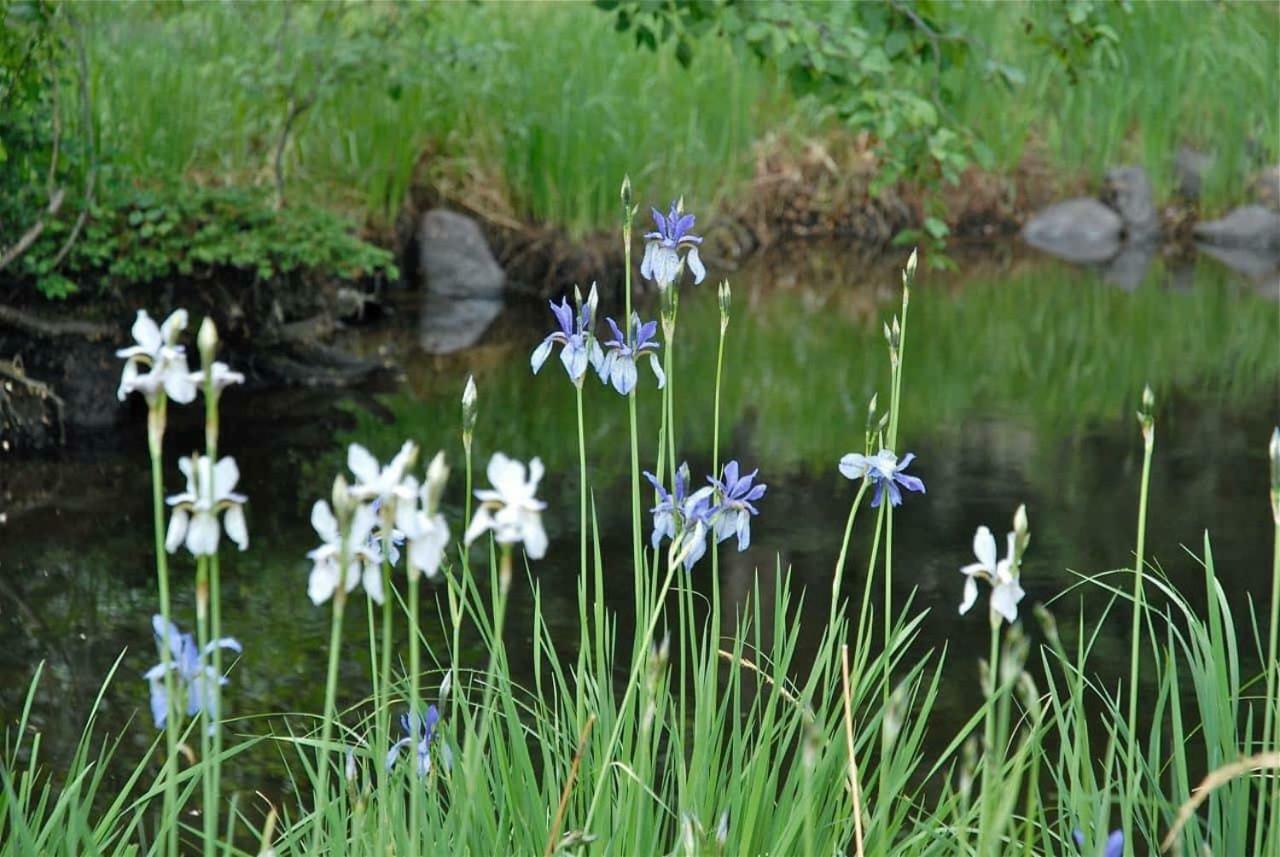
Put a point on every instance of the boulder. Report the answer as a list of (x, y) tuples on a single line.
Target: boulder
[(1190, 166), (1250, 227), (1266, 188), (1129, 191), (455, 258), (1078, 230)]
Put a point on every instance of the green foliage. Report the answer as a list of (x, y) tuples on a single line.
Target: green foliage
[(142, 236)]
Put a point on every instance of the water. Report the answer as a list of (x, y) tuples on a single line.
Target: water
[(1021, 381)]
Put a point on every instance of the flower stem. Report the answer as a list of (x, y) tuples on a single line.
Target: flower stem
[(415, 667), (330, 713), (155, 443), (210, 810), (1131, 757), (213, 781), (838, 577), (990, 787), (1271, 717)]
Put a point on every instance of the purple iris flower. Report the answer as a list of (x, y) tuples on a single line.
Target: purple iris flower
[(419, 730), (662, 248), (683, 517), (1113, 848), (193, 672), (580, 347), (619, 364), (884, 469), (733, 516)]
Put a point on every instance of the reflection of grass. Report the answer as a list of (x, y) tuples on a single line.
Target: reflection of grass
[(1049, 347)]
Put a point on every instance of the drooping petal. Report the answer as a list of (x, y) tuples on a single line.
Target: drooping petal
[(323, 581), (695, 265), (534, 536), (202, 534), (1115, 845), (646, 264), (177, 382), (147, 333), (237, 530), (371, 579), (177, 529), (854, 465), (911, 483), (1005, 598), (970, 594), (540, 354), (574, 358), (623, 375), (159, 702), (481, 521), (656, 366), (394, 752)]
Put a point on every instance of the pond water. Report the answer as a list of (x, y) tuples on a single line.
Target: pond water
[(1022, 377)]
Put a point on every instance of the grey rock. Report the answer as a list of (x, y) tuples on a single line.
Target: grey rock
[(1190, 166), (1129, 191), (455, 259), (1250, 227), (450, 324), (1078, 230)]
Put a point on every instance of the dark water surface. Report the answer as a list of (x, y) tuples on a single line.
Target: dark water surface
[(1022, 377)]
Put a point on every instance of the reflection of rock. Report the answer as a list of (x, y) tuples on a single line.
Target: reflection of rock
[(455, 258), (452, 324), (1130, 191), (1250, 262), (1078, 230), (1128, 268), (1249, 227)]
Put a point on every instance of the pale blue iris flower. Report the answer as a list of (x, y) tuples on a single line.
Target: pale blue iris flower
[(419, 730), (1113, 848), (736, 495), (580, 348), (884, 469), (663, 246), (619, 365), (195, 675), (684, 518)]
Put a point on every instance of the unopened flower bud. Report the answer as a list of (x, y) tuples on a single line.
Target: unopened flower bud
[(445, 687), (1148, 399), (343, 504), (593, 301), (909, 273), (626, 192), (725, 296), (437, 475), (722, 829), (207, 340), (1020, 519), (1274, 451), (871, 412), (469, 406)]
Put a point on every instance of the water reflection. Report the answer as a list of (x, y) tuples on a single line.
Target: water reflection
[(1020, 383)]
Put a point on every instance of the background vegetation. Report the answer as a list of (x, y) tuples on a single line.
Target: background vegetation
[(349, 106)]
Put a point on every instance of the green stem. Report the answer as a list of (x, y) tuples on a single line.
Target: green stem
[(1131, 757), (213, 782), (838, 578), (1271, 716), (155, 443), (990, 787), (330, 713), (382, 702), (210, 810), (415, 667)]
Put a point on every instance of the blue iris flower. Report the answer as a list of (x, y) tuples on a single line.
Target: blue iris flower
[(1113, 848), (662, 248), (419, 730), (684, 518), (580, 347), (194, 673), (884, 469), (619, 364), (733, 515)]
